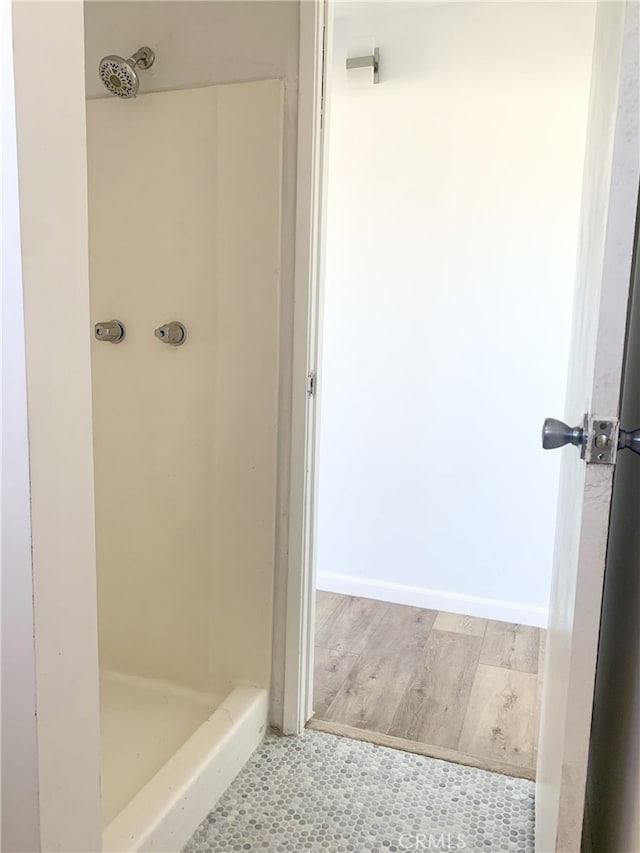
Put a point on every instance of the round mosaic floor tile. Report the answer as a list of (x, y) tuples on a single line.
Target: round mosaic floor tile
[(321, 792)]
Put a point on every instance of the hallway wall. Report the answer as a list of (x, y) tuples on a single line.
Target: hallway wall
[(454, 190)]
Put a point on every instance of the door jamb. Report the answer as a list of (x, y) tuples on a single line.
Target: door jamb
[(297, 706)]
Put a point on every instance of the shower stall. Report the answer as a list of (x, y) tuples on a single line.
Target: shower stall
[(184, 244)]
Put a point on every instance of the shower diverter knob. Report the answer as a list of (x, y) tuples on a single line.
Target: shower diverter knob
[(112, 331), (173, 333)]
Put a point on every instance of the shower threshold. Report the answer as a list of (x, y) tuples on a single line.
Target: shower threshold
[(143, 722), (168, 753)]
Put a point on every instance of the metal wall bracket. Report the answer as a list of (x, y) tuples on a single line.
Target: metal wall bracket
[(601, 444), (372, 62)]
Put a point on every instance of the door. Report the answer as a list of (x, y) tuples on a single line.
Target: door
[(609, 203)]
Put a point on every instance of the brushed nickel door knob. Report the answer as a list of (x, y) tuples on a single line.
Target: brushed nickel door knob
[(556, 434)]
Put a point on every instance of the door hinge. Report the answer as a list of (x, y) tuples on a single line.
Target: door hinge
[(311, 383), (323, 73)]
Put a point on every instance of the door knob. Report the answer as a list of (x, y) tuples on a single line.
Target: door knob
[(556, 433), (629, 439)]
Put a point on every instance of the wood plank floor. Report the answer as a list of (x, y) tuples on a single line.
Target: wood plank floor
[(455, 687)]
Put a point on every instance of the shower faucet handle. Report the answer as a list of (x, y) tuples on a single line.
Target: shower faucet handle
[(112, 331), (173, 333)]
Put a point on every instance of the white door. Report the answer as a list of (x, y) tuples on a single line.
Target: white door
[(609, 203)]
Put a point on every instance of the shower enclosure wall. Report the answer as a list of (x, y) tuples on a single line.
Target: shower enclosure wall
[(184, 217)]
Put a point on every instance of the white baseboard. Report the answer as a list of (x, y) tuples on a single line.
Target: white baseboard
[(434, 599)]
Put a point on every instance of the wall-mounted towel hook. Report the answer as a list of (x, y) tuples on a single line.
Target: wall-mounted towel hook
[(372, 62)]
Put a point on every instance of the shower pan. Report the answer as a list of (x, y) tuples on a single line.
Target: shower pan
[(184, 222)]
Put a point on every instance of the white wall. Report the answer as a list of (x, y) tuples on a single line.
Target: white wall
[(19, 813), (453, 202), (51, 136)]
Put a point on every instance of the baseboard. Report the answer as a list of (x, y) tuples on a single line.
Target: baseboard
[(429, 750), (433, 599)]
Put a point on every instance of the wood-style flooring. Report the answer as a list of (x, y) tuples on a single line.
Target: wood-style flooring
[(454, 687)]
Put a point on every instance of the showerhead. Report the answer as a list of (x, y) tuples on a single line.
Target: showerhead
[(119, 75)]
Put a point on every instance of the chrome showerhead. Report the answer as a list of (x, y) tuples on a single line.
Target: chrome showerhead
[(119, 75)]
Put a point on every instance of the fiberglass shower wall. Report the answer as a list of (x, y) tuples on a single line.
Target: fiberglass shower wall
[(184, 212)]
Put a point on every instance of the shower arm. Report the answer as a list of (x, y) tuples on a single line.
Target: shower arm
[(143, 57)]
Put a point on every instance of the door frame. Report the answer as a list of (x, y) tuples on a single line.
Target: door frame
[(297, 665)]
